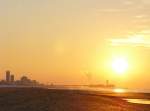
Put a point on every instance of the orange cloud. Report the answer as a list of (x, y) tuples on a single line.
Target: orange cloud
[(134, 40)]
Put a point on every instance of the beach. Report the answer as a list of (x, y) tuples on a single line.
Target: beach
[(40, 99)]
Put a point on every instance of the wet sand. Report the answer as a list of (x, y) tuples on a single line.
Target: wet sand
[(38, 99)]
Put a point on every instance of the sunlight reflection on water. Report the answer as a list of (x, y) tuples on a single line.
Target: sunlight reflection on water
[(116, 90), (139, 101), (119, 90)]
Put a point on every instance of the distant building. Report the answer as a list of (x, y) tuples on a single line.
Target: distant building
[(8, 76), (12, 78), (24, 80)]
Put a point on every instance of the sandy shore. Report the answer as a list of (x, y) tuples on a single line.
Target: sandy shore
[(35, 99)]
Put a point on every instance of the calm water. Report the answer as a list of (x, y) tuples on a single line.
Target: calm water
[(139, 101), (116, 90)]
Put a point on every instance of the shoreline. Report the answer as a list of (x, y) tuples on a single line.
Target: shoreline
[(41, 99)]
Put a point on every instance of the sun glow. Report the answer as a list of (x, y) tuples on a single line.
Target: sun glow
[(120, 65)]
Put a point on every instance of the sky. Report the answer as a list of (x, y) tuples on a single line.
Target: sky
[(75, 41)]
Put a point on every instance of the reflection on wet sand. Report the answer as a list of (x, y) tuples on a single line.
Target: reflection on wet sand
[(139, 101)]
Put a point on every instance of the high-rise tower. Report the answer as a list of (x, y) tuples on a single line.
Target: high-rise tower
[(12, 78), (7, 76)]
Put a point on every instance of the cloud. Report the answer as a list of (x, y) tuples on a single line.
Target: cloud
[(128, 2), (145, 1), (111, 10), (134, 41), (141, 16)]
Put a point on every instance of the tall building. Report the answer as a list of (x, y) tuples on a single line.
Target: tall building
[(8, 76), (12, 78)]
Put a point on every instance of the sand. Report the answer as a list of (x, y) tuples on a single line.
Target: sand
[(38, 99)]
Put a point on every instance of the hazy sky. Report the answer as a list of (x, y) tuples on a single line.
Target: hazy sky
[(61, 41)]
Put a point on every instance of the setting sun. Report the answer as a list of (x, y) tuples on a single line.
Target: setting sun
[(120, 65)]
